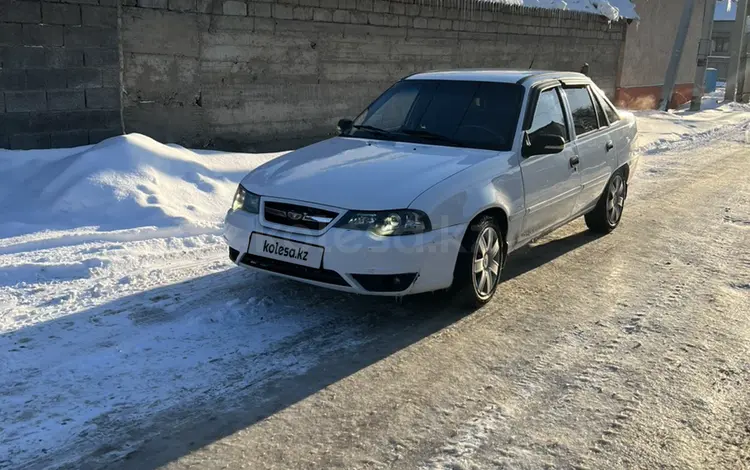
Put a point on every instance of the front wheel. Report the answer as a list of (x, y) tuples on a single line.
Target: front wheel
[(479, 263), (607, 214)]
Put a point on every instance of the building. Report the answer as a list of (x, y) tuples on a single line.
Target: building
[(647, 51), (726, 12)]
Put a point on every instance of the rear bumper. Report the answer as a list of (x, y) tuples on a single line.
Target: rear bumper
[(356, 261)]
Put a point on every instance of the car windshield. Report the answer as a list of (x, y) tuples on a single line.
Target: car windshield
[(444, 112)]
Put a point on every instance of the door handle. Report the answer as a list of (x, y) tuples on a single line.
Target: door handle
[(610, 145), (574, 161)]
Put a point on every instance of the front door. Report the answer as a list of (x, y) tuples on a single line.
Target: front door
[(551, 182)]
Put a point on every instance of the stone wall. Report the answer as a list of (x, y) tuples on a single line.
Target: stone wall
[(59, 72), (234, 73)]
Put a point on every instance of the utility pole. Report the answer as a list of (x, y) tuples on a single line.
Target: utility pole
[(736, 43), (674, 61), (704, 50), (741, 75)]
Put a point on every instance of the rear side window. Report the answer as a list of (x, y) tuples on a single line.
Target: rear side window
[(548, 116), (582, 109)]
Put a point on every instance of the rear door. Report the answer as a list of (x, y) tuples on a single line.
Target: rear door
[(551, 182), (593, 142), (620, 133)]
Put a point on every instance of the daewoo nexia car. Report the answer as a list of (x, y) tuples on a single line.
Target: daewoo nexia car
[(436, 182)]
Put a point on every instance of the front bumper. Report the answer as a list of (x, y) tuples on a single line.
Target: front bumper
[(364, 263)]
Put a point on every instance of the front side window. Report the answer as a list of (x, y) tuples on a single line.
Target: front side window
[(582, 109), (548, 116), (444, 112)]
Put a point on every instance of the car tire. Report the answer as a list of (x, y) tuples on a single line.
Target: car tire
[(607, 214), (479, 263)]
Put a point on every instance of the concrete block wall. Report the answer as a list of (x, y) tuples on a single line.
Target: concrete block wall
[(232, 73), (59, 72), (647, 52)]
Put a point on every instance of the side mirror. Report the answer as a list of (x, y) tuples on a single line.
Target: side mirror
[(344, 125), (542, 144)]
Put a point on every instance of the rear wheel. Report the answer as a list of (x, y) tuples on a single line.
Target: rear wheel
[(607, 214), (479, 263)]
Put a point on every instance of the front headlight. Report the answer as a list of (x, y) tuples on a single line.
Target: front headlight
[(386, 223), (246, 201)]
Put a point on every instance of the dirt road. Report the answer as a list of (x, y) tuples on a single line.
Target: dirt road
[(626, 351)]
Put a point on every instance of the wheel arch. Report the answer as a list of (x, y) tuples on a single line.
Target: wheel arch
[(496, 212), (500, 215), (625, 168)]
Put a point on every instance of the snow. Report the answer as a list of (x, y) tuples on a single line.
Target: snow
[(120, 183), (117, 300), (614, 10), (659, 131)]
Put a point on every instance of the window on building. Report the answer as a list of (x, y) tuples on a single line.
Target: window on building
[(720, 45)]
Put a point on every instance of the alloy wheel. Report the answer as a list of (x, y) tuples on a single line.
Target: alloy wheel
[(486, 265), (615, 199)]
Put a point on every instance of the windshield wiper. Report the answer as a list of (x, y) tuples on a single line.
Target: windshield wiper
[(374, 129), (429, 135)]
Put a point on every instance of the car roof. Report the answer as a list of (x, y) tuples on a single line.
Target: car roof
[(498, 75)]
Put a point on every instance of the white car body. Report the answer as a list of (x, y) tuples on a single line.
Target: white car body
[(452, 186)]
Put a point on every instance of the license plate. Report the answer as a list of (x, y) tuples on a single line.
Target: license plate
[(286, 250)]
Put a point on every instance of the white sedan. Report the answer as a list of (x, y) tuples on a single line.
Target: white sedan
[(436, 182)]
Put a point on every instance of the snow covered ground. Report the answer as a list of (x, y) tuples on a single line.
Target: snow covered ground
[(117, 300)]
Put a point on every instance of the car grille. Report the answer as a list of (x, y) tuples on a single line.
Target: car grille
[(294, 215), (281, 267)]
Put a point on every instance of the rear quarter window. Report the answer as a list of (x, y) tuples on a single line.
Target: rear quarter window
[(606, 105)]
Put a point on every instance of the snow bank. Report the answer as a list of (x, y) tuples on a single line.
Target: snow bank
[(659, 131), (612, 9), (121, 183)]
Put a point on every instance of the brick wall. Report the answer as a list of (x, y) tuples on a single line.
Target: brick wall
[(59, 72), (232, 72)]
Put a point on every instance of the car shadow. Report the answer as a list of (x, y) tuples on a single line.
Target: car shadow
[(543, 251), (351, 334)]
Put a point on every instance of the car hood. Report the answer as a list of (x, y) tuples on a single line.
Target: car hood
[(360, 174)]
